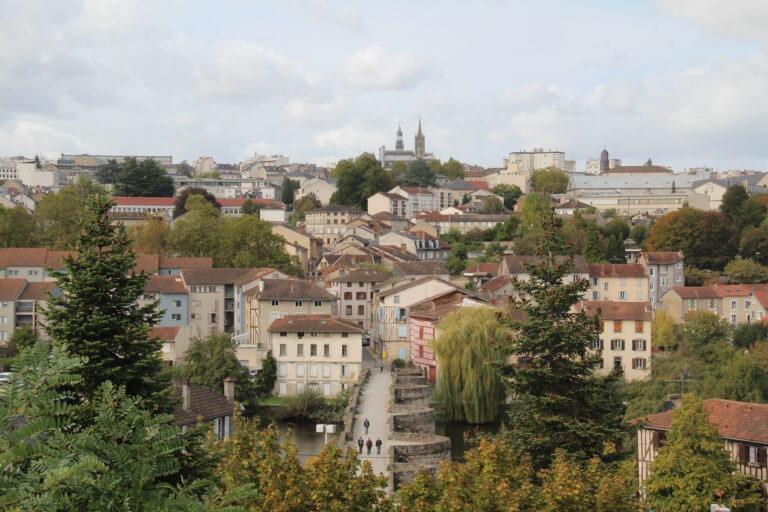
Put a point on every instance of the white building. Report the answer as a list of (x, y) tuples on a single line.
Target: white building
[(534, 160)]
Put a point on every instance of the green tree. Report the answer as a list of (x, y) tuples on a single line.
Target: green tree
[(585, 238), (359, 179), (747, 335), (198, 232), (551, 180), (457, 261), (754, 244), (535, 208), (469, 386), (211, 359), (453, 169), (746, 271), (560, 403), (618, 228), (398, 168), (492, 205), (693, 465), (733, 200), (509, 193), (143, 179), (97, 315), (248, 241), (17, 227), (180, 205), (751, 214), (108, 173), (289, 190), (57, 217), (638, 233), (250, 207), (153, 236), (305, 204), (663, 331), (417, 174), (265, 380)]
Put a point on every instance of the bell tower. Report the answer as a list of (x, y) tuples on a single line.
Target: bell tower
[(399, 142)]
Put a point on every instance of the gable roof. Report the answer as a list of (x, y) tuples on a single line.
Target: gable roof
[(10, 289), (662, 257), (739, 421), (293, 289), (313, 323), (410, 268), (362, 275), (32, 257), (696, 292), (496, 283), (164, 333), (391, 252), (165, 284), (482, 269), (37, 291), (415, 190), (204, 404)]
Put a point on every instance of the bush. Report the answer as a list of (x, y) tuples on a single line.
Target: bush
[(398, 363), (311, 405)]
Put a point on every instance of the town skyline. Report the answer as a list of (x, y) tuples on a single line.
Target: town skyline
[(678, 82)]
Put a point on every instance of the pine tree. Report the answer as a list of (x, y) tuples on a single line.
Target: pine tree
[(558, 400), (97, 315)]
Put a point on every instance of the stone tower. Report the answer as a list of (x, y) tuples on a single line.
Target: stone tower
[(419, 146), (605, 163), (399, 142)]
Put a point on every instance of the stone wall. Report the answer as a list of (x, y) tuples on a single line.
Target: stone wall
[(354, 397)]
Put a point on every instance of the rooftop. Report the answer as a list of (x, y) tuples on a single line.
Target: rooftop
[(293, 289), (610, 310), (313, 323), (617, 270)]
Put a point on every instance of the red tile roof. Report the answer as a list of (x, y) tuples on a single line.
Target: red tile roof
[(145, 201), (212, 276), (313, 323), (363, 276), (10, 289), (23, 257), (740, 421), (696, 292), (164, 333), (37, 291), (662, 257), (610, 310), (496, 283), (185, 262), (481, 185), (482, 268), (293, 289), (737, 290), (411, 268), (165, 284), (617, 270)]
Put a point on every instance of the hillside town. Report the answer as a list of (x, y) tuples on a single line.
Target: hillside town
[(329, 274)]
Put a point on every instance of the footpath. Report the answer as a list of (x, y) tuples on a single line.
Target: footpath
[(374, 405)]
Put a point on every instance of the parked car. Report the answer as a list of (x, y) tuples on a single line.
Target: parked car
[(366, 340)]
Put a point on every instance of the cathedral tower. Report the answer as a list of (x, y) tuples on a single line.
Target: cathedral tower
[(399, 142), (419, 146)]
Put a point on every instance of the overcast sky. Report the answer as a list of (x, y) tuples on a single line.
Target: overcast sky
[(684, 82)]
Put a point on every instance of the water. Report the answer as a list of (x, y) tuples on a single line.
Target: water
[(308, 442)]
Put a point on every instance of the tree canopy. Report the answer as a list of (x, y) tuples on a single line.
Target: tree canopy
[(359, 179), (143, 178), (289, 190), (418, 173), (509, 193), (551, 180), (180, 205)]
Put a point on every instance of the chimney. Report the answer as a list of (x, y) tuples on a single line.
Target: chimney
[(261, 285), (186, 396), (229, 389)]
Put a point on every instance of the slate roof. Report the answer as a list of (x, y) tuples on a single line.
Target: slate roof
[(739, 421), (293, 289), (459, 184), (617, 270), (313, 323), (610, 310), (205, 405), (392, 252), (416, 190)]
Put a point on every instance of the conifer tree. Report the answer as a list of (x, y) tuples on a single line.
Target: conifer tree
[(97, 315), (558, 400)]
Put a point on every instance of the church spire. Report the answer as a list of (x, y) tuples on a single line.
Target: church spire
[(399, 142), (419, 145)]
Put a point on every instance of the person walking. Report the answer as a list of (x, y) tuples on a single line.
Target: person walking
[(378, 446), (366, 424), (360, 443), (382, 367), (369, 445)]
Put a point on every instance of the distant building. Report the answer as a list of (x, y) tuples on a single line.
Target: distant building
[(534, 160), (602, 165), (387, 157)]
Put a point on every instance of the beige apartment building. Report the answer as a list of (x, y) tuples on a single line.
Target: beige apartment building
[(307, 249), (618, 282), (315, 351), (273, 299), (625, 338), (737, 304), (329, 222), (21, 304), (355, 293)]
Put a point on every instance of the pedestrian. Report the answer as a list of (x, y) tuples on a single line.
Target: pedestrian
[(382, 367), (366, 424), (360, 444), (369, 445), (378, 446)]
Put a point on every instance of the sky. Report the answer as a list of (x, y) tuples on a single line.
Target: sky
[(683, 82)]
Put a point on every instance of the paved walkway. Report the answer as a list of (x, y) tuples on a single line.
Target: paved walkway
[(374, 405)]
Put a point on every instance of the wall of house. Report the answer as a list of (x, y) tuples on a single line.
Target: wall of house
[(626, 344), (619, 289)]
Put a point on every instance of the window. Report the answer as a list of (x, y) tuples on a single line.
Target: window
[(599, 364), (711, 303), (396, 299), (13, 273), (299, 304), (3, 305), (597, 344), (651, 271), (734, 319), (318, 303), (300, 350), (214, 318), (300, 368), (300, 335), (734, 304), (343, 370), (360, 284), (3, 319), (605, 286), (692, 304), (622, 295), (595, 296), (313, 335), (176, 316), (275, 302), (348, 310), (638, 363), (149, 296), (651, 287), (402, 331), (344, 351), (283, 349), (313, 350), (638, 326), (326, 371), (281, 370), (617, 326), (347, 295), (313, 370), (345, 335), (177, 303), (401, 314), (194, 316), (326, 389), (326, 350), (349, 285), (32, 273), (361, 310), (617, 344), (747, 304), (638, 345), (283, 334), (617, 363), (594, 281), (663, 280), (752, 455), (360, 296)]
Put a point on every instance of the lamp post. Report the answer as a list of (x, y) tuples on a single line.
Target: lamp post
[(322, 428)]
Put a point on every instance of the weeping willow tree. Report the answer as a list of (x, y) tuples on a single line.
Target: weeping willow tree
[(469, 387)]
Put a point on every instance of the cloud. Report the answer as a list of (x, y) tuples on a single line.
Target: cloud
[(739, 19), (323, 10), (29, 138), (347, 140), (375, 67)]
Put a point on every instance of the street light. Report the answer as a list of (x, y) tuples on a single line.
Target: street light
[(321, 428)]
